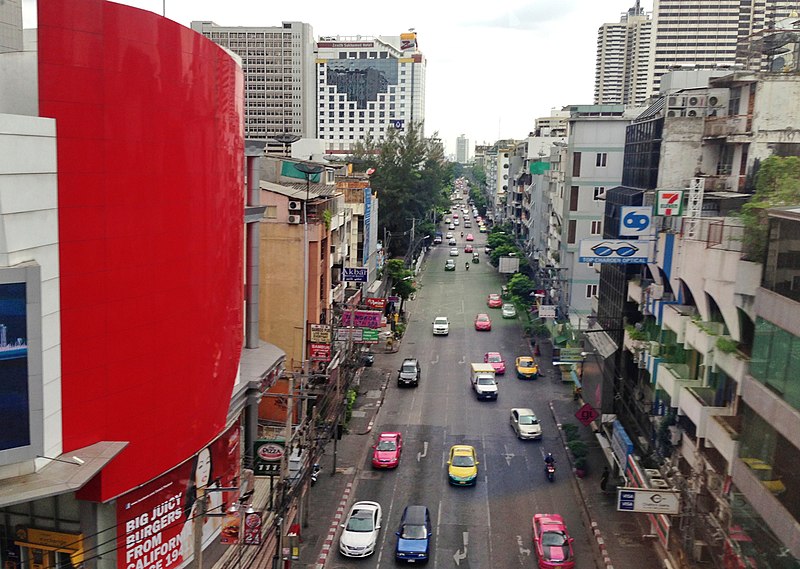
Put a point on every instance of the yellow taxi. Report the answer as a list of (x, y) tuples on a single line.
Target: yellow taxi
[(462, 465), (527, 368)]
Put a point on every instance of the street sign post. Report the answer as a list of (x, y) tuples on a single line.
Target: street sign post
[(587, 414), (648, 501)]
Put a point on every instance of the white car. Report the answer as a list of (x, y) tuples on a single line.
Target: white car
[(441, 326), (451, 227), (525, 424), (454, 252), (509, 310), (360, 533)]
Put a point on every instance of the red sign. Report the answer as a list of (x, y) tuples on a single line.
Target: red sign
[(252, 528), (321, 352), (155, 527), (376, 303), (587, 414)]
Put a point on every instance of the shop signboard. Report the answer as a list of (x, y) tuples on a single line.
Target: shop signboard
[(362, 318), (368, 336), (320, 352), (320, 333), (375, 303)]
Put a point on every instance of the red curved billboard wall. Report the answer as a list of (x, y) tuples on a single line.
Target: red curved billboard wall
[(150, 175)]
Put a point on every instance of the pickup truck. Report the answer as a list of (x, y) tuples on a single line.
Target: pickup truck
[(482, 378)]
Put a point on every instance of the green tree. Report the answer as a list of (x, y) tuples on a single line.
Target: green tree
[(402, 279), (777, 185), (496, 240), (501, 251), (521, 286)]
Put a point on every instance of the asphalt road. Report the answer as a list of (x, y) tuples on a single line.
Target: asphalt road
[(488, 525)]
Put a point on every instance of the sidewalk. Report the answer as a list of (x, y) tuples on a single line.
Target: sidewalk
[(618, 535)]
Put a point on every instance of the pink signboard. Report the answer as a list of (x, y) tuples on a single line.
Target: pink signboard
[(362, 318)]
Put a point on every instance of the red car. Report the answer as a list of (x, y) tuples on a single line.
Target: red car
[(468, 249), (470, 237), (497, 362), (552, 542), (482, 322), (494, 300), (386, 452)]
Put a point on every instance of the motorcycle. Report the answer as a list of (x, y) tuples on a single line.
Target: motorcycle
[(550, 471), (315, 470)]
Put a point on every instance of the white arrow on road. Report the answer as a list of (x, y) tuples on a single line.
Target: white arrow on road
[(509, 455), (522, 550), (458, 556), (435, 361), (424, 452), (463, 360)]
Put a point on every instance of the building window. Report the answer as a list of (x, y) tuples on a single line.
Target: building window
[(573, 198), (591, 290), (597, 228), (600, 159), (576, 164), (571, 230), (271, 212), (598, 192)]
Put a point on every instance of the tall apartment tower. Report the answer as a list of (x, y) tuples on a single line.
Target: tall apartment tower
[(278, 65), (707, 33), (367, 86), (11, 26), (462, 149), (623, 54)]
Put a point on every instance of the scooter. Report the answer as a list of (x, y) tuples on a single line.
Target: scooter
[(315, 470), (550, 471)]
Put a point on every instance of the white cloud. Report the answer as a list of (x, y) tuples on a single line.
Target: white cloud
[(492, 68)]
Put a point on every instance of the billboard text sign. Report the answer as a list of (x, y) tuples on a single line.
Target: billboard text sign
[(648, 501), (618, 251), (362, 318), (354, 274)]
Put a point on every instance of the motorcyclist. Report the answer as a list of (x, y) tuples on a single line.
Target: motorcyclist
[(462, 234), (466, 265), (550, 459)]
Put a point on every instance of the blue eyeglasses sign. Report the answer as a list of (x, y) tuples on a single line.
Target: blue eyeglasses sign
[(614, 251), (635, 221)]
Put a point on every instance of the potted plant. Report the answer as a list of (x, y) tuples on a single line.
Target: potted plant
[(581, 466), (570, 431)]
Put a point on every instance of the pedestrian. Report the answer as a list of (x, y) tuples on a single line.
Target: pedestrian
[(604, 478)]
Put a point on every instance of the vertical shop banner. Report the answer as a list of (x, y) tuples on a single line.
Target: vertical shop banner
[(14, 388), (157, 521)]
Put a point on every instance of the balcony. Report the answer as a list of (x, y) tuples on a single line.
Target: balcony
[(721, 127), (723, 434), (634, 346), (672, 378), (735, 364), (696, 403), (635, 293), (723, 183), (702, 336), (675, 318)]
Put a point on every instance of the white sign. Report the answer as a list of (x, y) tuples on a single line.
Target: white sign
[(648, 501), (615, 251), (508, 264), (669, 202), (547, 311), (635, 221)]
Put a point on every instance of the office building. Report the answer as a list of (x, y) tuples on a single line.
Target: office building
[(367, 86), (708, 33), (623, 52), (462, 149), (278, 65)]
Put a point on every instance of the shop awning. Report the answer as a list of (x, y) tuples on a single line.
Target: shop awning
[(62, 475)]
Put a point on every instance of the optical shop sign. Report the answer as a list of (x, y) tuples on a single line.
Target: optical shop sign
[(156, 521)]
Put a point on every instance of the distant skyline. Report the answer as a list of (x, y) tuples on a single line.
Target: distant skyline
[(491, 69)]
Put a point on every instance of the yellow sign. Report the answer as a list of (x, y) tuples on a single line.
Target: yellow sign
[(71, 543)]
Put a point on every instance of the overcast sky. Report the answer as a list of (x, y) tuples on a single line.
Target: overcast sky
[(491, 68)]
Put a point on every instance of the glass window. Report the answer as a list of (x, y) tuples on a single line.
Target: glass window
[(601, 159)]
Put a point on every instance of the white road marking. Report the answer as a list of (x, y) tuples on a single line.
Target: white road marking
[(463, 360), (508, 455), (522, 550), (435, 361), (424, 452), (458, 556)]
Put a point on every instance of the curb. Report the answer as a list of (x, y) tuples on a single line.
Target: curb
[(601, 544), (384, 386), (337, 519)]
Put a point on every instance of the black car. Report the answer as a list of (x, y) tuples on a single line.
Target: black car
[(414, 535), (409, 373), (367, 358)]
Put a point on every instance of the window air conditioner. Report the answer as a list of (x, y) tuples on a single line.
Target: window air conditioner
[(695, 101), (294, 219), (294, 205)]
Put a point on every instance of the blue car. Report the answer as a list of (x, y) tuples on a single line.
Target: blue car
[(414, 535)]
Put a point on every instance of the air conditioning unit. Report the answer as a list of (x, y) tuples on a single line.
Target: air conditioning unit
[(718, 99), (676, 112), (295, 205), (676, 101), (696, 112), (294, 219), (695, 101)]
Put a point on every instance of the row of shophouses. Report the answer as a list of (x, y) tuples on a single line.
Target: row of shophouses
[(692, 357), (168, 301)]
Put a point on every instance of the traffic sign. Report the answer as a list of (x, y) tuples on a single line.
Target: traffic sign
[(648, 501), (587, 414), (354, 274)]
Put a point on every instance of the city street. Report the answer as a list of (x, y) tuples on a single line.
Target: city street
[(488, 525)]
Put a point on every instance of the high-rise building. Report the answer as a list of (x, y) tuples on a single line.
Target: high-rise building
[(367, 86), (707, 33), (623, 52), (462, 149), (278, 65), (11, 26)]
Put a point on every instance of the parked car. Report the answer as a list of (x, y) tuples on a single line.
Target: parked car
[(360, 533), (367, 358), (449, 265), (494, 300), (496, 360), (509, 310), (527, 368), (552, 542), (386, 452), (462, 466), (409, 373), (525, 423), (441, 326), (414, 535), (483, 323)]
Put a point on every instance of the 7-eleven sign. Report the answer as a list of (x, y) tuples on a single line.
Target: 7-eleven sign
[(669, 202)]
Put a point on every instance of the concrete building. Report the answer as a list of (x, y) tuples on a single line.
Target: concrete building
[(708, 33), (367, 86), (280, 95), (11, 26), (462, 150), (623, 54)]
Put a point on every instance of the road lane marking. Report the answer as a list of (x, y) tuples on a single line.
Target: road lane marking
[(424, 452), (508, 455), (522, 550), (435, 361), (458, 557)]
